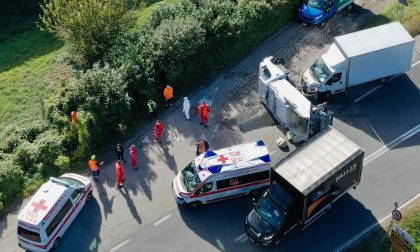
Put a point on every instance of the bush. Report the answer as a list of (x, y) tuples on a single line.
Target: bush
[(89, 27), (11, 181)]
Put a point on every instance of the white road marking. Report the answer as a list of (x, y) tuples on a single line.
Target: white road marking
[(374, 131), (240, 237), (219, 243), (393, 77), (367, 93), (272, 152), (368, 229), (414, 64), (245, 239), (120, 245), (391, 145), (162, 219)]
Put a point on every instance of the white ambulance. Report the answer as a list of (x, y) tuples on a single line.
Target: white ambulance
[(52, 209), (222, 174)]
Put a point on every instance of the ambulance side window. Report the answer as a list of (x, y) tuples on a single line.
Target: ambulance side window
[(77, 194), (206, 188), (228, 182), (59, 217)]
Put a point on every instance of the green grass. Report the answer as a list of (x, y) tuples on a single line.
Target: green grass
[(144, 14), (410, 16), (29, 73)]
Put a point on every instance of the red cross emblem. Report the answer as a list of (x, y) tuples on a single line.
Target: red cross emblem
[(39, 205), (222, 159)]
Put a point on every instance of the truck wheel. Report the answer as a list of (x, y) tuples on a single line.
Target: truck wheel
[(195, 204), (322, 25), (56, 243), (89, 197), (278, 61)]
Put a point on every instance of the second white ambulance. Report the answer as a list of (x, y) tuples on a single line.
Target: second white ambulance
[(222, 174), (52, 209)]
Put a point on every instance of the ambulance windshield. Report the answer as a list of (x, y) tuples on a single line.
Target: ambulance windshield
[(190, 177)]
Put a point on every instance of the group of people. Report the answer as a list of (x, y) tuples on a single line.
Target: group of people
[(158, 129), (119, 168)]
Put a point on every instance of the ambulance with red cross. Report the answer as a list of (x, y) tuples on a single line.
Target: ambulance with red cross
[(222, 174), (46, 217)]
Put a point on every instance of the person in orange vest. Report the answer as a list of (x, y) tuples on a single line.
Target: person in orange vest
[(168, 93), (119, 169), (133, 156), (202, 146), (73, 117), (94, 166), (158, 130), (205, 114), (200, 112)]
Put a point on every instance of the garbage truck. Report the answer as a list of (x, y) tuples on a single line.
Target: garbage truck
[(287, 104), (317, 12), (304, 185), (360, 57)]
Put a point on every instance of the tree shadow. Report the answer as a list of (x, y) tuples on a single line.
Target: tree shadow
[(83, 233), (103, 197)]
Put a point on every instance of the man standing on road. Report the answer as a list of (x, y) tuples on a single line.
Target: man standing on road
[(151, 109), (94, 167), (202, 146), (158, 130), (133, 156), (120, 152), (205, 112), (186, 108), (119, 169), (168, 93), (200, 112)]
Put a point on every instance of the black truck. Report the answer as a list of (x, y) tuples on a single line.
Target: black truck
[(304, 185)]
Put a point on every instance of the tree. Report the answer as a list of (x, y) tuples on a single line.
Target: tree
[(89, 27)]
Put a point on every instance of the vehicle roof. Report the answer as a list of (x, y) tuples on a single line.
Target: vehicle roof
[(232, 158), (276, 70), (43, 201), (333, 58), (373, 39), (297, 101), (317, 160)]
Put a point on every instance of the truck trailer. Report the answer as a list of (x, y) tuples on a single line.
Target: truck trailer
[(288, 105), (360, 57), (304, 185)]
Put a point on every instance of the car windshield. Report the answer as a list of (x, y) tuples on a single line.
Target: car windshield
[(265, 73), (190, 177), (317, 4), (280, 196), (320, 71), (271, 212)]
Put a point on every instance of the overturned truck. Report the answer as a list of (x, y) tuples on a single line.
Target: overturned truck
[(288, 105)]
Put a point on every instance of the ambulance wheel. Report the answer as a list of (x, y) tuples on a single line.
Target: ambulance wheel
[(89, 197), (56, 243), (194, 204)]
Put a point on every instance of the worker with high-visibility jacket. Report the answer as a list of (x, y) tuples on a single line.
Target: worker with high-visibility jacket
[(168, 93), (94, 167)]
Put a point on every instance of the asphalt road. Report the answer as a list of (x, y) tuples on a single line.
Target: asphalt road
[(143, 215)]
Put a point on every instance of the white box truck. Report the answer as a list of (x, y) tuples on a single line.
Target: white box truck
[(360, 57), (304, 185), (289, 106)]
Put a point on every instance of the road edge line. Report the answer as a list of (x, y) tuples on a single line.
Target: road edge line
[(120, 245)]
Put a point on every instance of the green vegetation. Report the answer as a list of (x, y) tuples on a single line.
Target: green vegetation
[(378, 240), (180, 42), (410, 16)]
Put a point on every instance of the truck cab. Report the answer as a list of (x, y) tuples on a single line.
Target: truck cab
[(318, 12), (327, 75)]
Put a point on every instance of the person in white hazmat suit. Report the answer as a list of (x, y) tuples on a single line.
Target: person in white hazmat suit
[(186, 108)]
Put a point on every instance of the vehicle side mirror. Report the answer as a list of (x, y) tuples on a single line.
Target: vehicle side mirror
[(328, 9)]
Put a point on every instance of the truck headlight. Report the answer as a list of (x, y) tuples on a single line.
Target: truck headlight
[(267, 238)]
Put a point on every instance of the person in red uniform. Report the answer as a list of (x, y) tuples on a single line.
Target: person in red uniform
[(158, 130), (120, 173), (133, 156), (206, 111), (200, 112)]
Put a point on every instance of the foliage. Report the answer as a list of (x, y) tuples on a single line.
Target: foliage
[(89, 27), (11, 181), (410, 17)]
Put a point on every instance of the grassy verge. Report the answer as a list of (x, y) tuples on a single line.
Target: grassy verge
[(410, 18), (378, 239)]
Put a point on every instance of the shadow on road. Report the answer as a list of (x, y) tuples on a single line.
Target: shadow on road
[(221, 224), (130, 204), (83, 233)]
